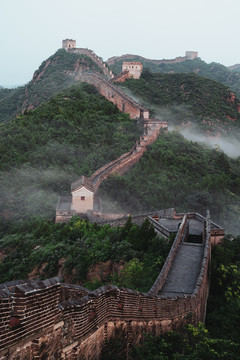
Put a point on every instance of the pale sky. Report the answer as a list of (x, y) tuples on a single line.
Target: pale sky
[(33, 30)]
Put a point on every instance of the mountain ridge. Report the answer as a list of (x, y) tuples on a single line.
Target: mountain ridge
[(214, 71)]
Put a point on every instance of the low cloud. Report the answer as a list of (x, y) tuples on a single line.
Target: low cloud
[(228, 144)]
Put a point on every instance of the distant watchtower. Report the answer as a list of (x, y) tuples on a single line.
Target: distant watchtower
[(191, 55), (134, 68), (68, 44)]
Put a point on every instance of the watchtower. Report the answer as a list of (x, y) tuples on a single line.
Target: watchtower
[(68, 44), (134, 68), (191, 55)]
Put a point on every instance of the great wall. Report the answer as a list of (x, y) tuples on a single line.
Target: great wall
[(189, 55), (52, 320)]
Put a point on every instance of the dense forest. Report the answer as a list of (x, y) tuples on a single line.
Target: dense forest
[(214, 71), (189, 99)]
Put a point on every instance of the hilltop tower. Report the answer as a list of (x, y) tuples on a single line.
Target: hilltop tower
[(191, 55), (69, 44)]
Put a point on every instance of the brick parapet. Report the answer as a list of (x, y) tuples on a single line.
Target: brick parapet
[(30, 307), (168, 263), (71, 291), (124, 75)]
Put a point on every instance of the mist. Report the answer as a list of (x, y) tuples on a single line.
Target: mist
[(31, 191), (228, 144)]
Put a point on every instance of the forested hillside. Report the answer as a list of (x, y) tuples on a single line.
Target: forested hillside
[(43, 151), (54, 74), (214, 71), (189, 99), (179, 173)]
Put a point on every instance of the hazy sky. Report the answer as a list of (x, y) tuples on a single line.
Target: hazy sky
[(32, 30)]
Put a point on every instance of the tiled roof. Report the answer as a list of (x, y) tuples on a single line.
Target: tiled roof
[(82, 181)]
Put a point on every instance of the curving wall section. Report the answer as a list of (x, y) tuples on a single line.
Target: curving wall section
[(98, 61), (127, 160), (116, 96), (39, 319)]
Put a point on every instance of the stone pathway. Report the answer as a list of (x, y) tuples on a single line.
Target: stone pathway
[(184, 271)]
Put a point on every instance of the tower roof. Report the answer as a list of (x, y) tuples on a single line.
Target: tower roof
[(83, 181)]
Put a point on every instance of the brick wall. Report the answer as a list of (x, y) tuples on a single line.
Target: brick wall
[(127, 160), (26, 309), (124, 75), (116, 96), (72, 291)]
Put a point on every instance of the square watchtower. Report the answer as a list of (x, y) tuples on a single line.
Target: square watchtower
[(69, 44)]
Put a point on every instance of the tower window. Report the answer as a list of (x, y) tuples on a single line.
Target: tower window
[(82, 197)]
